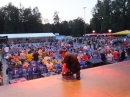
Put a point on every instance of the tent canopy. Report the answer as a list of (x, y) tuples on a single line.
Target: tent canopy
[(125, 32), (28, 35), (105, 34)]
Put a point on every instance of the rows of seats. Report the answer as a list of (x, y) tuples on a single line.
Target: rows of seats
[(33, 70)]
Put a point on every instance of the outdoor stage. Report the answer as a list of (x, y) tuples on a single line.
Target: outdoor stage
[(105, 81)]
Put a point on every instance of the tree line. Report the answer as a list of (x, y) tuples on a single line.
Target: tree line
[(29, 20), (19, 20), (107, 14), (111, 14)]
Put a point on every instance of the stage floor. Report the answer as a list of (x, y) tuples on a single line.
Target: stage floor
[(105, 81)]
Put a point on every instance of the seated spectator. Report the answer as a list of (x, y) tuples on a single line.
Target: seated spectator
[(50, 66), (9, 68), (85, 57), (90, 56), (26, 64), (12, 62), (59, 62), (17, 58), (85, 47), (54, 61), (40, 53), (11, 56), (34, 68), (19, 64), (45, 59), (22, 56), (40, 61), (52, 54), (80, 54), (96, 53)]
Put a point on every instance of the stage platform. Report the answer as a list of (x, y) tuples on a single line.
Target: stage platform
[(105, 81)]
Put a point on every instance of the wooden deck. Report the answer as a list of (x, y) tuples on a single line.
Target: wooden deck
[(104, 81)]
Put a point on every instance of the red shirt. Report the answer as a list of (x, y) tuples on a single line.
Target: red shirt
[(64, 68), (85, 57), (115, 54)]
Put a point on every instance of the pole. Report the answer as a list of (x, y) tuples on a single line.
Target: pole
[(84, 21), (101, 25)]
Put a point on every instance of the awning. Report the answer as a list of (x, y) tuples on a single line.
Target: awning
[(28, 35), (125, 32), (98, 34), (107, 34), (91, 34)]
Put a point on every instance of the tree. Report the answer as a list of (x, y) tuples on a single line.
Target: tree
[(19, 20), (65, 28), (11, 18), (111, 14), (56, 18), (77, 27), (2, 20)]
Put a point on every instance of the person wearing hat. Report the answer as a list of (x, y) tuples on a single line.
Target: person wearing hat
[(71, 64)]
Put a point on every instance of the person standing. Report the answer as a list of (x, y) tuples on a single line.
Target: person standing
[(6, 50), (35, 55), (1, 73), (128, 51), (116, 55), (29, 56), (103, 57), (109, 56), (70, 64), (123, 55)]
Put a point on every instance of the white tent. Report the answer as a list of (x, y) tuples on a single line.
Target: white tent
[(28, 35)]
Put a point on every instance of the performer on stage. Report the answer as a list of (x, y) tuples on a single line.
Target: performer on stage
[(71, 64)]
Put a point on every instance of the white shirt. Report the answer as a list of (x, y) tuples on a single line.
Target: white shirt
[(40, 52), (85, 48), (22, 56), (6, 49), (109, 57), (45, 60), (49, 66)]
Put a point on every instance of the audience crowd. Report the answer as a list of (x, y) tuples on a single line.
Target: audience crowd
[(43, 59)]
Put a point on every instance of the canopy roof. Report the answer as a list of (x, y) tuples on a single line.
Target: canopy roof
[(125, 32), (92, 34), (28, 35)]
